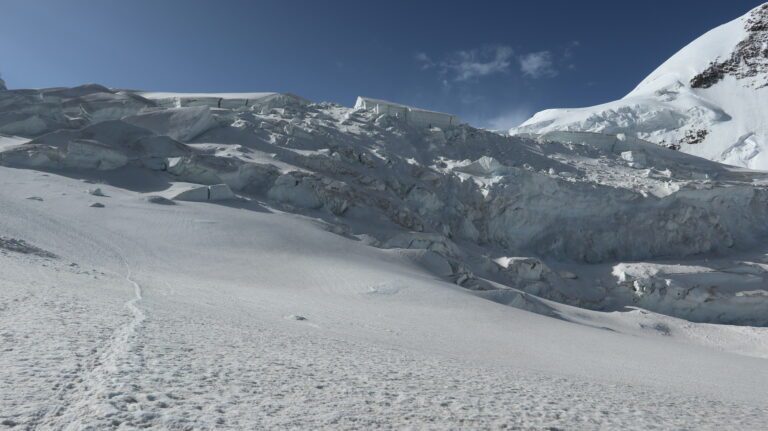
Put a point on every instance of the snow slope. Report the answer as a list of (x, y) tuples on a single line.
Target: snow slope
[(708, 99), (187, 316), (289, 265)]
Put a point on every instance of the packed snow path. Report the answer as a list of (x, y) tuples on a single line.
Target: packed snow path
[(101, 383), (382, 344)]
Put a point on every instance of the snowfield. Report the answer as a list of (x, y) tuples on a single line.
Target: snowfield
[(708, 99), (257, 261), (186, 316)]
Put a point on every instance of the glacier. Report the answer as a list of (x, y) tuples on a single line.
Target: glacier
[(564, 197), (260, 261)]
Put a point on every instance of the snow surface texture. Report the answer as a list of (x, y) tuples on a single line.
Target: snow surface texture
[(709, 99), (295, 265)]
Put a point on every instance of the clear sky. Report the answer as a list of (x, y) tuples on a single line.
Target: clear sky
[(492, 62)]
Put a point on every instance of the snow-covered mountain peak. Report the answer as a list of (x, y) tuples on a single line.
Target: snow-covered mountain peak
[(708, 99), (749, 59), (738, 48)]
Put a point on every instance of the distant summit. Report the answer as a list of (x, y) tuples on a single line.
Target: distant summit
[(749, 59), (709, 99)]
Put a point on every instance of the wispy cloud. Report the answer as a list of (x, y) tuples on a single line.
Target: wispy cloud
[(460, 73), (467, 65), (507, 120), (538, 64), (473, 64), (569, 52), (423, 59), (570, 47)]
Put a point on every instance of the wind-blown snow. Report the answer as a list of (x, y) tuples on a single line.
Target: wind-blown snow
[(709, 99)]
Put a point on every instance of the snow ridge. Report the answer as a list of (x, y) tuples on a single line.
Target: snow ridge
[(706, 100), (749, 59)]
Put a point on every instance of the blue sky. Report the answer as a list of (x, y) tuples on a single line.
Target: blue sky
[(492, 62)]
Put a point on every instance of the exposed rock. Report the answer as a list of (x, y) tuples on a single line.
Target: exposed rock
[(749, 59), (693, 137)]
